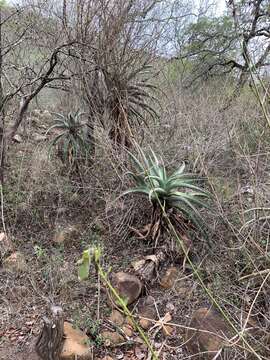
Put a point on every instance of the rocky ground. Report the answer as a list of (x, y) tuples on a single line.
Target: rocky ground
[(162, 308)]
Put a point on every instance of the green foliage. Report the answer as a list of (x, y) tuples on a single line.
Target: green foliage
[(72, 142), (210, 44), (177, 191), (89, 255), (3, 3)]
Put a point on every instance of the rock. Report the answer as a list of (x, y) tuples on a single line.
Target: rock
[(147, 310), (15, 263), (75, 344), (107, 357), (66, 235), (6, 245), (128, 286), (17, 138), (170, 277), (112, 338), (210, 322), (117, 318), (127, 330)]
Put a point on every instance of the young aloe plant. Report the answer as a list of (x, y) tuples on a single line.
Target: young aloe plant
[(71, 141), (176, 194)]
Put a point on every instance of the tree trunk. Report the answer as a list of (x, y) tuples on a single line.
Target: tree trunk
[(50, 341)]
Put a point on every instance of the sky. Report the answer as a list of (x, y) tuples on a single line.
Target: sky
[(221, 5)]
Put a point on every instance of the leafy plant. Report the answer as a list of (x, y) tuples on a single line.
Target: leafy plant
[(176, 195), (72, 141)]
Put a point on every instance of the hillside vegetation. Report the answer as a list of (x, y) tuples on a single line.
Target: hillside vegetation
[(134, 175)]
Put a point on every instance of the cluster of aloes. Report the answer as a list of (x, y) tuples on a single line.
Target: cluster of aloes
[(176, 195), (72, 142)]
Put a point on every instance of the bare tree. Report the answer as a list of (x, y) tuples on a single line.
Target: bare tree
[(32, 58), (238, 42)]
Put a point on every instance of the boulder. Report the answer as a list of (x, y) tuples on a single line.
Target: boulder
[(15, 263), (128, 286), (169, 279), (210, 334), (75, 344)]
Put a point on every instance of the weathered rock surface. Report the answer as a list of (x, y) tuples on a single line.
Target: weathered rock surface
[(75, 344), (210, 336), (128, 286), (15, 263)]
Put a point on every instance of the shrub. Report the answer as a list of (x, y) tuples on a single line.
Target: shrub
[(72, 142)]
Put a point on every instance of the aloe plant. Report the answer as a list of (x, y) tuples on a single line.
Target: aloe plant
[(130, 97), (71, 141), (177, 194)]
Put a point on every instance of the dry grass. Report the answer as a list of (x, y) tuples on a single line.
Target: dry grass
[(230, 149)]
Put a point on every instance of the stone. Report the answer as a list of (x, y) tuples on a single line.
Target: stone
[(6, 245), (170, 277), (15, 263), (128, 286), (107, 357), (208, 323), (112, 338), (147, 310), (117, 318), (75, 344), (66, 235), (127, 330)]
